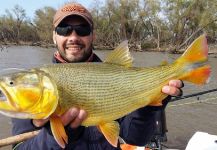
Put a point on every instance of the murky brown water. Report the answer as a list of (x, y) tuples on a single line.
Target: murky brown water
[(182, 120)]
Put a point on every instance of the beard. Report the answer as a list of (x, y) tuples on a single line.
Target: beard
[(76, 52)]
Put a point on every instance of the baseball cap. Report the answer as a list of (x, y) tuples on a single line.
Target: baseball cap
[(72, 9)]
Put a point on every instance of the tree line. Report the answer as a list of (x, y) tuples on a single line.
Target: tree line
[(146, 24)]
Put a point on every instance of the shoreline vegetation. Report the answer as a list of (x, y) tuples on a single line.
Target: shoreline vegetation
[(3, 46), (158, 25)]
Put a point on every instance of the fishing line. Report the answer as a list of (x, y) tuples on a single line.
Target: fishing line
[(205, 101), (176, 98)]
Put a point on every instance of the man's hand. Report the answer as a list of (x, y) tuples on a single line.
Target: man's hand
[(72, 117), (173, 88)]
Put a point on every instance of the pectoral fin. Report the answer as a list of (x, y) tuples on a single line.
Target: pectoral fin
[(58, 131), (111, 132)]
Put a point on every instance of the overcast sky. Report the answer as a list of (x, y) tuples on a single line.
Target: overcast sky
[(31, 5)]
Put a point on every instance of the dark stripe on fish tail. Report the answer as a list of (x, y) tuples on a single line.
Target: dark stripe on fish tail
[(194, 66)]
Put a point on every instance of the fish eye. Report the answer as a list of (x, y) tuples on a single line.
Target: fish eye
[(9, 81)]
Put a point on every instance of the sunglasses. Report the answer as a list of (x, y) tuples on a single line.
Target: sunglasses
[(81, 30)]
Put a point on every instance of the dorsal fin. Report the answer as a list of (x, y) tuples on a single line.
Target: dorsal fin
[(120, 55)]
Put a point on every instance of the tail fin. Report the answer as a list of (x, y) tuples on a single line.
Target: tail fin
[(198, 76), (196, 52), (193, 59)]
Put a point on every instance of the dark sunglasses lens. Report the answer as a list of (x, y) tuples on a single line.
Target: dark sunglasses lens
[(64, 30), (82, 30)]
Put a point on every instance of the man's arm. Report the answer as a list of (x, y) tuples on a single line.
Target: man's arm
[(43, 140)]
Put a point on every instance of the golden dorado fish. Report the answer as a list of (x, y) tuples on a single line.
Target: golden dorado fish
[(107, 91)]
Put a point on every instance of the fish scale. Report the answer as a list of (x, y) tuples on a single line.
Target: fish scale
[(103, 89)]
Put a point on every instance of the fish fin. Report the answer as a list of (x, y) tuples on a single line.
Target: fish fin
[(58, 131), (111, 132), (128, 147), (121, 140), (196, 52), (120, 55), (198, 76), (193, 59)]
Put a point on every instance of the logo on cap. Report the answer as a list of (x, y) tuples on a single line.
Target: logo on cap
[(74, 8)]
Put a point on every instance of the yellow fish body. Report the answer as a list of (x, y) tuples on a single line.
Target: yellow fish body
[(107, 91)]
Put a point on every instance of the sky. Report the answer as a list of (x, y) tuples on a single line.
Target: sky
[(31, 5)]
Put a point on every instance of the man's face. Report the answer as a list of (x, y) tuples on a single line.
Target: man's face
[(72, 46)]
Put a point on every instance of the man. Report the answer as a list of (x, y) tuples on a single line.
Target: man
[(73, 36)]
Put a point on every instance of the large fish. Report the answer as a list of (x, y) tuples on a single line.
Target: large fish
[(107, 91)]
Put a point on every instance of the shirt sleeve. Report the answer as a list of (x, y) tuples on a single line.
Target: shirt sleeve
[(44, 140)]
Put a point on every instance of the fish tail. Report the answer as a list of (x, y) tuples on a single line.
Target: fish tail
[(198, 76), (193, 61)]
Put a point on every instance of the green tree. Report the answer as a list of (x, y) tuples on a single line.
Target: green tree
[(20, 15), (152, 22), (43, 23), (188, 18), (147, 24), (12, 23)]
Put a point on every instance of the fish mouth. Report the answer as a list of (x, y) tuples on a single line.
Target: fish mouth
[(2, 96), (6, 98), (9, 108)]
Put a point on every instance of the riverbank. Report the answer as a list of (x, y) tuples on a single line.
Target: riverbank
[(212, 47)]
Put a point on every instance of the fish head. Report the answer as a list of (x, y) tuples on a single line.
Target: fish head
[(27, 94)]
